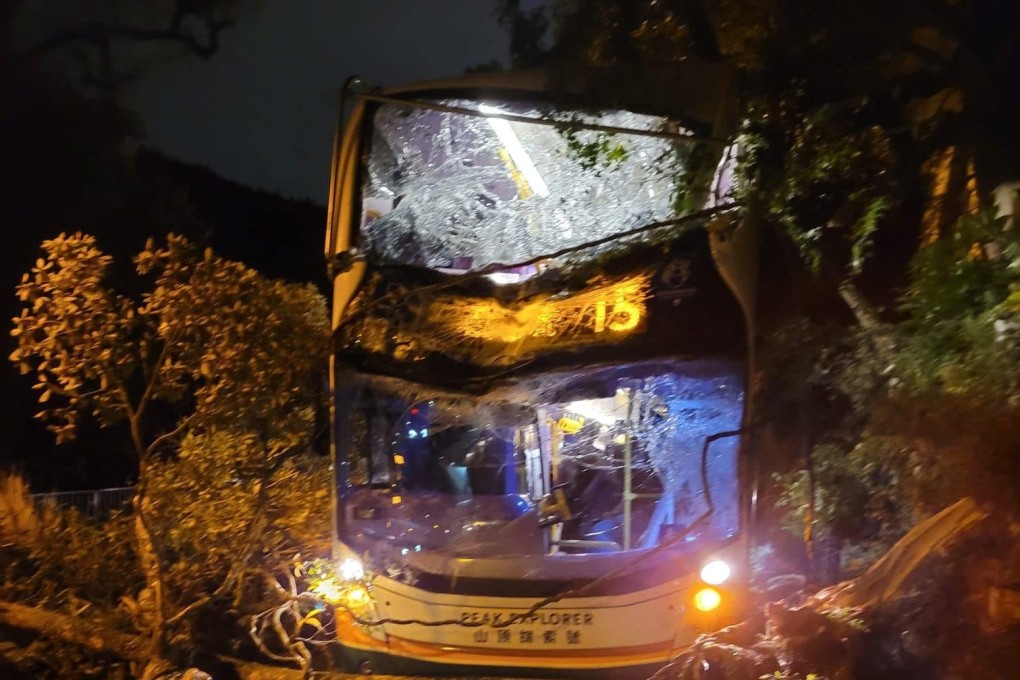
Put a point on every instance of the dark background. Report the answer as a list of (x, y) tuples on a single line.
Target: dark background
[(232, 151)]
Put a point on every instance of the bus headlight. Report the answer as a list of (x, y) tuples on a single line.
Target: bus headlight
[(715, 573), (356, 597), (351, 569), (707, 599)]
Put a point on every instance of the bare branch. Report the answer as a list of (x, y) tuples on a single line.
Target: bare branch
[(153, 382), (101, 35), (168, 435), (179, 616), (197, 30)]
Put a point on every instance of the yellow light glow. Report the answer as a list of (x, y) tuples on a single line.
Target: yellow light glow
[(515, 150), (715, 572), (570, 425), (352, 569), (625, 316), (329, 589), (352, 596), (616, 307), (523, 188), (356, 596), (396, 500), (620, 439), (707, 599), (398, 459)]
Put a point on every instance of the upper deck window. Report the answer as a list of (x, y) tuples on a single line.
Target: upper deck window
[(461, 192)]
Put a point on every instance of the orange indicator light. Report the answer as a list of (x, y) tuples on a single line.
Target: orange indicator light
[(707, 599)]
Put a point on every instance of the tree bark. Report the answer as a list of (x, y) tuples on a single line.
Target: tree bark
[(102, 639), (868, 320), (81, 632), (151, 568)]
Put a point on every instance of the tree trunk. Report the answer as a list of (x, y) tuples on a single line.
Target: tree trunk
[(152, 571), (133, 648), (87, 634), (868, 320)]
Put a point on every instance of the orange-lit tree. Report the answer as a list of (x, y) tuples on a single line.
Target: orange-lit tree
[(215, 372)]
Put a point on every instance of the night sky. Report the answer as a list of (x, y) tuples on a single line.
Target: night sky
[(261, 112)]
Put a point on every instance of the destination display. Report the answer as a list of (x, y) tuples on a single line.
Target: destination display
[(643, 303)]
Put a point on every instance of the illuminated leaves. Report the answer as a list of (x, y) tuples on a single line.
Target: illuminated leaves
[(250, 347), (838, 101), (226, 494), (962, 333), (76, 333), (244, 349), (218, 372)]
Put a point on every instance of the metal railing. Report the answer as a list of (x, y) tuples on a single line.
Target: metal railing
[(95, 504)]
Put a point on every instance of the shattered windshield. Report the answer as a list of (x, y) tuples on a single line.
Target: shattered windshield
[(461, 192), (604, 460)]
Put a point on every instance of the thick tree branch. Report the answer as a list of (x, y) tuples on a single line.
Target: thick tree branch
[(168, 435), (273, 462), (153, 382), (104, 640), (706, 43), (868, 319), (87, 634), (196, 29)]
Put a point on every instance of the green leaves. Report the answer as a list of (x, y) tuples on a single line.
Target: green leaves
[(228, 493), (962, 332), (934, 421), (826, 175)]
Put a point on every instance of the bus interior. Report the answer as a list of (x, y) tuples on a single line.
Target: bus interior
[(603, 460)]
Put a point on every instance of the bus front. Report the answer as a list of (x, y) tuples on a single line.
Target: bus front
[(539, 382)]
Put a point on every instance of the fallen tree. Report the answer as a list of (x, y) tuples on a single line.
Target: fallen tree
[(138, 650), (922, 610), (904, 612)]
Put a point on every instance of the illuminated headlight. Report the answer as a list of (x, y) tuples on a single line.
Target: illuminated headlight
[(715, 572), (356, 596), (352, 570), (707, 599), (328, 590)]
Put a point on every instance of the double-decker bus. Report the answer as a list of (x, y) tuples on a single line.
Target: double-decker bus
[(539, 381)]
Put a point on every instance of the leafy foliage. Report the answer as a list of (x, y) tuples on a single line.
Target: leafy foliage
[(77, 334), (242, 347), (859, 495), (59, 558), (226, 494), (599, 151), (823, 173), (840, 105), (217, 371), (964, 306), (937, 419)]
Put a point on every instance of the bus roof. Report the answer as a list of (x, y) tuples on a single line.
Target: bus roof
[(703, 94)]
